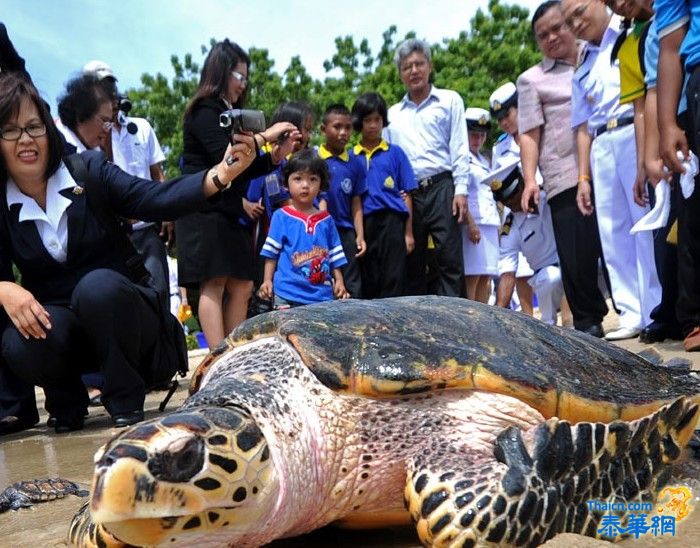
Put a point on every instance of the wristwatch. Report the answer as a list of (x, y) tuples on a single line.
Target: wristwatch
[(217, 182)]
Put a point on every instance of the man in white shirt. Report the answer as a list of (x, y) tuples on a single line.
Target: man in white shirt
[(428, 124)]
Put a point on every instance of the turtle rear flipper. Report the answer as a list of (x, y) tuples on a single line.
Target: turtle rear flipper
[(526, 495)]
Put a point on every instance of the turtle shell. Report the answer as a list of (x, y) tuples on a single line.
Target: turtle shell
[(394, 347)]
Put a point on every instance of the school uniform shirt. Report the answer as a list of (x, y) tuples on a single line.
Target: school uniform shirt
[(388, 172), (532, 235), (136, 152), (433, 135), (270, 189), (482, 206), (631, 76), (347, 181), (673, 14), (307, 249), (595, 91)]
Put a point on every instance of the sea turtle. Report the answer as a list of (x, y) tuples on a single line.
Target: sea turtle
[(24, 494), (486, 425)]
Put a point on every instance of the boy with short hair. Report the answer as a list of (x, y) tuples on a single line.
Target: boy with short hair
[(344, 197), (303, 251), (387, 205)]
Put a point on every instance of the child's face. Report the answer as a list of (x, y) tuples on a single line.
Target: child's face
[(303, 188), (372, 126), (306, 130), (337, 131)]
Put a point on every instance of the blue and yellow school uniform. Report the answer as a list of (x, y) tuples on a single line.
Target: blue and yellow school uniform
[(307, 249), (385, 213)]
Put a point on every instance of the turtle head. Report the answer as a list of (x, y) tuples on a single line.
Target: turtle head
[(189, 472)]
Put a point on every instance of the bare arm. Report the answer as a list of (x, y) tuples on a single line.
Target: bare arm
[(265, 290), (506, 286), (408, 226), (529, 156), (339, 285), (583, 146), (639, 190), (358, 223), (157, 174)]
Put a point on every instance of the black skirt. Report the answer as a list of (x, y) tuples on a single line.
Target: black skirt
[(212, 245)]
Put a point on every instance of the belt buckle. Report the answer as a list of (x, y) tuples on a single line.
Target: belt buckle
[(425, 182), (612, 123)]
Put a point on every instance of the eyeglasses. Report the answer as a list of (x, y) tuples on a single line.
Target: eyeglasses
[(577, 13), (106, 123), (14, 133), (416, 64), (240, 77)]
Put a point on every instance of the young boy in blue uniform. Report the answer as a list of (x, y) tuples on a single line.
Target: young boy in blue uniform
[(344, 197), (303, 251), (387, 205)]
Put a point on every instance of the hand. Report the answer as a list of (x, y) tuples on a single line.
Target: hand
[(361, 247), (530, 198), (474, 233), (583, 198), (281, 149), (639, 190), (26, 313), (460, 209), (656, 172), (265, 291), (238, 156), (671, 139), (410, 243), (167, 232), (275, 131), (339, 290), (253, 209)]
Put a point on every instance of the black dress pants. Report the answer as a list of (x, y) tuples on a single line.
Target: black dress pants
[(111, 326), (578, 246), (351, 271), (384, 263), (16, 397), (688, 307), (432, 215)]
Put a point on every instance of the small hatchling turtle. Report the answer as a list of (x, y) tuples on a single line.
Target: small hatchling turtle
[(24, 494), (482, 426)]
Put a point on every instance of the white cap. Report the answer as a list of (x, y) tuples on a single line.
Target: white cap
[(504, 179), (502, 99), (101, 69), (477, 119)]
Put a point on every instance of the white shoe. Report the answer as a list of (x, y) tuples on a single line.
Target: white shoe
[(623, 333)]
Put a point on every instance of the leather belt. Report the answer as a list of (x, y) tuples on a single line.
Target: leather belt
[(614, 123), (427, 182)]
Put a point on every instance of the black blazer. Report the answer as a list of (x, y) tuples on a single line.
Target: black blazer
[(89, 247)]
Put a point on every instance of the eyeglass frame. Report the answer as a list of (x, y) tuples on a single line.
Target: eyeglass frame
[(107, 125), (576, 14), (242, 79), (24, 129)]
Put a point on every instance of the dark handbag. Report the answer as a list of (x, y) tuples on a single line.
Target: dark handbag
[(170, 356)]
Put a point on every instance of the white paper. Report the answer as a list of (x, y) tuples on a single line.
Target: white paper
[(657, 217)]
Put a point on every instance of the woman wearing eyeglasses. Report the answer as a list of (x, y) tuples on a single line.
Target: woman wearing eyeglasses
[(214, 250), (85, 112), (77, 309)]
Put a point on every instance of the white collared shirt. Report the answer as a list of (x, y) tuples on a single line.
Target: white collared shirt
[(71, 137), (433, 135), (51, 224), (136, 153), (482, 206)]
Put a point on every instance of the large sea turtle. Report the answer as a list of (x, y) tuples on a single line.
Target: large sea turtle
[(486, 425)]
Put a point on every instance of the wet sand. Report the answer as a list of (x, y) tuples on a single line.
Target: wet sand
[(39, 452)]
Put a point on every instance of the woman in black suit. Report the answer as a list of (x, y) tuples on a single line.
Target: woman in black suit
[(214, 250), (77, 310)]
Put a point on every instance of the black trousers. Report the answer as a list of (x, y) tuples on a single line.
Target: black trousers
[(432, 215), (384, 263), (111, 326), (688, 307), (16, 396), (148, 243), (351, 271), (578, 246)]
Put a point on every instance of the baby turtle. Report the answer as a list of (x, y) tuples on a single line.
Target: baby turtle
[(24, 494)]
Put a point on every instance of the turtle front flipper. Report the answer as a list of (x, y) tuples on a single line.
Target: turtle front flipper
[(85, 533), (539, 485)]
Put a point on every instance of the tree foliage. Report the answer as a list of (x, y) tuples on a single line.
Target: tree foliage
[(497, 47)]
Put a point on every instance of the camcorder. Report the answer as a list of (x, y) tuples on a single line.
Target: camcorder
[(238, 120)]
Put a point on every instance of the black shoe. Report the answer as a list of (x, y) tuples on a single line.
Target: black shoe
[(660, 331), (51, 422), (11, 424), (64, 425), (595, 330), (96, 401), (127, 419)]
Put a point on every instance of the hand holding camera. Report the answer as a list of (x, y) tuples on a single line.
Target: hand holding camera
[(283, 136)]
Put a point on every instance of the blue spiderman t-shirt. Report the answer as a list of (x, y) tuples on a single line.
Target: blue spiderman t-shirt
[(307, 249)]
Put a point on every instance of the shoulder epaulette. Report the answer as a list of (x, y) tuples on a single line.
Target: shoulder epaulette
[(507, 225)]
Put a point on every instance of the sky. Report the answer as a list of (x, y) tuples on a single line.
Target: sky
[(56, 38)]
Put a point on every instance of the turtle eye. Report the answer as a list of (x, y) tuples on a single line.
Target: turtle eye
[(181, 465)]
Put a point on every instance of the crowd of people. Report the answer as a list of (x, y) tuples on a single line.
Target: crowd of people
[(593, 137)]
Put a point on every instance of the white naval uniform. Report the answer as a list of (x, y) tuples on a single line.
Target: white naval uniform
[(595, 100), (481, 258), (532, 235), (504, 149)]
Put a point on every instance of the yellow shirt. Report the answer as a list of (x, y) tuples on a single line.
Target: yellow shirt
[(631, 77)]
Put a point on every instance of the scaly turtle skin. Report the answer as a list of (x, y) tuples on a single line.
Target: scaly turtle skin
[(24, 494), (489, 427)]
